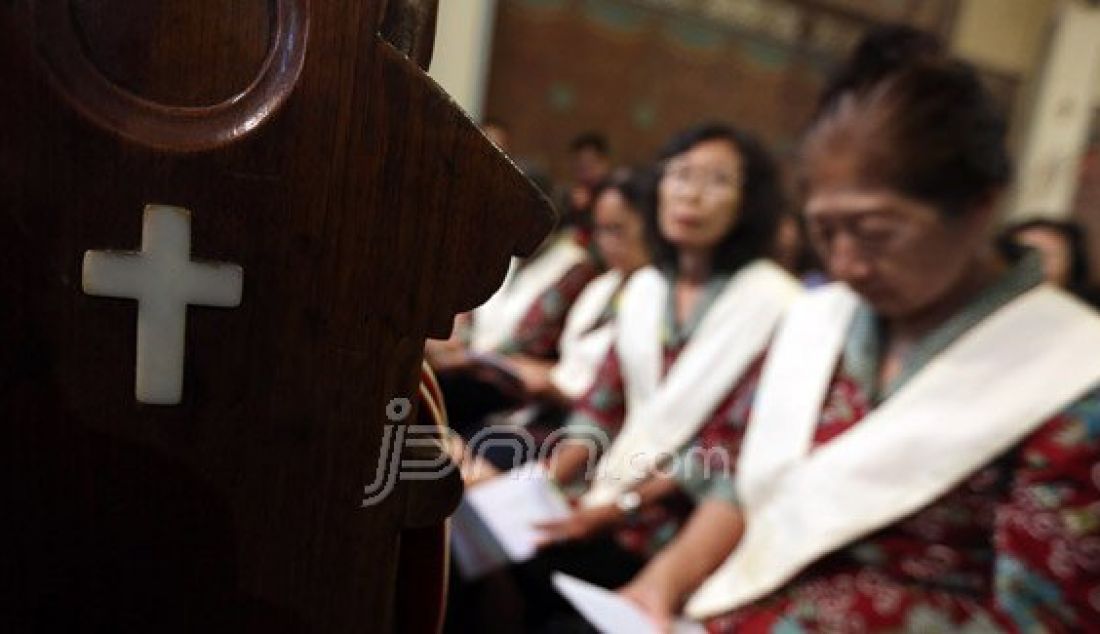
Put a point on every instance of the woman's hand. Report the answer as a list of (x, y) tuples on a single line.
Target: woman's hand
[(446, 355), (478, 471), (676, 572), (535, 375), (451, 353), (571, 461), (585, 522), (474, 469), (654, 598)]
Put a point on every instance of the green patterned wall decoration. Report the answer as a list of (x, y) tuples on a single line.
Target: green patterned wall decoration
[(640, 69), (785, 146), (616, 15), (561, 96), (770, 56), (544, 4), (695, 34), (644, 115), (822, 65)]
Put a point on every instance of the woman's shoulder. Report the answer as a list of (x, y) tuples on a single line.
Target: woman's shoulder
[(767, 272), (646, 280)]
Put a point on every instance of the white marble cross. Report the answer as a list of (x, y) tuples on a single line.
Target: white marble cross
[(164, 280)]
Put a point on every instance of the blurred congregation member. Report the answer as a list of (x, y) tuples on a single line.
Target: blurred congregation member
[(794, 254), (589, 164), (692, 329), (924, 446), (619, 238), (620, 244), (1062, 250), (521, 323), (590, 327), (526, 316)]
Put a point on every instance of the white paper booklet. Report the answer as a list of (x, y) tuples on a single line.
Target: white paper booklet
[(513, 502), (609, 612), (475, 551)]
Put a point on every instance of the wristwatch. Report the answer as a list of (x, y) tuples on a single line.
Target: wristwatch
[(629, 503)]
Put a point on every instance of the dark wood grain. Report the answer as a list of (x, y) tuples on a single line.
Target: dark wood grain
[(365, 209), (194, 38)]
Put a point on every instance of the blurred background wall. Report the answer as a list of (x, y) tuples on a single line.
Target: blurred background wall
[(638, 70)]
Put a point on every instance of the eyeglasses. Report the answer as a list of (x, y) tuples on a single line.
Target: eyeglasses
[(710, 179), (871, 236)]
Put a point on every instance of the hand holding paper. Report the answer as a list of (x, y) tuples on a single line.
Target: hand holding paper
[(512, 504), (581, 523), (613, 614)]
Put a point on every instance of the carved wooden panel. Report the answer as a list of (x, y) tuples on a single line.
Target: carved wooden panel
[(363, 209)]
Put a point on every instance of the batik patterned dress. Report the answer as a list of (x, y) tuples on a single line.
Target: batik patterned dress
[(601, 414), (538, 333), (1015, 547)]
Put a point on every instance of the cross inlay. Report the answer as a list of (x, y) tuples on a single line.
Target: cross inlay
[(164, 280)]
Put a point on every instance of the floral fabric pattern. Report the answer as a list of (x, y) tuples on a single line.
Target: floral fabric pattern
[(1014, 548), (602, 412)]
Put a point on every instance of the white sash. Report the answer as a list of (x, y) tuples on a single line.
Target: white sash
[(662, 416), (496, 320), (983, 394), (638, 342), (582, 346)]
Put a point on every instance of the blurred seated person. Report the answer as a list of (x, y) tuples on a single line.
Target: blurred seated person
[(482, 366), (925, 442), (589, 165), (692, 330), (794, 254), (1062, 250), (590, 326)]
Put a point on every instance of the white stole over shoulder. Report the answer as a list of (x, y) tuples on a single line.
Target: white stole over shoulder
[(983, 394), (496, 320), (663, 415), (583, 345)]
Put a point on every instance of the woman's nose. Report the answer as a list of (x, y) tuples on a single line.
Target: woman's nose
[(846, 260), (689, 188)]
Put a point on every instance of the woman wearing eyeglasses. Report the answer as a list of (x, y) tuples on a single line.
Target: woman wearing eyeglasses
[(692, 329)]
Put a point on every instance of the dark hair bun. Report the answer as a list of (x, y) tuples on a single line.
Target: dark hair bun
[(924, 123), (882, 52)]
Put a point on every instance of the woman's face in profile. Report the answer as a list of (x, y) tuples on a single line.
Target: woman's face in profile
[(619, 232), (700, 195)]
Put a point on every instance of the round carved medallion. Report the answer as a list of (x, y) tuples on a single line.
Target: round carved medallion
[(181, 75)]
